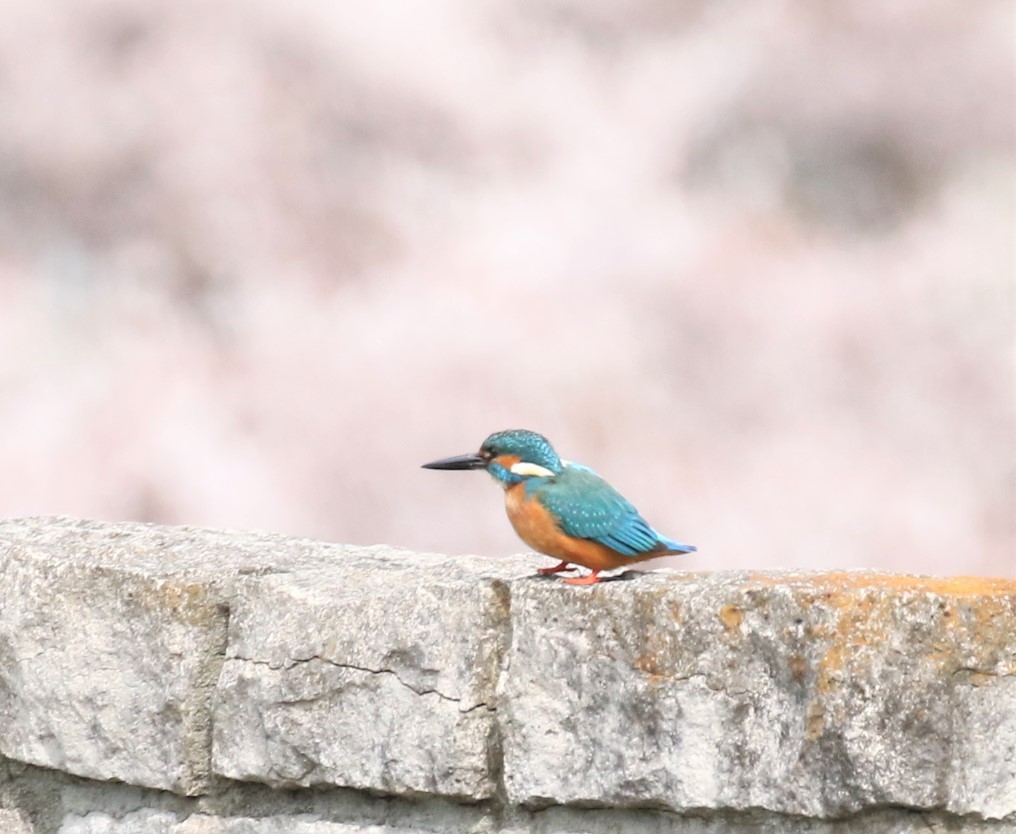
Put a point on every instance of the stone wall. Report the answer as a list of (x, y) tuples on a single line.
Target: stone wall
[(186, 681)]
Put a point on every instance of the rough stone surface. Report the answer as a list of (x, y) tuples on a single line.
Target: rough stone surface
[(816, 695), (112, 638), (381, 679), (551, 821), (164, 822), (12, 822), (243, 682)]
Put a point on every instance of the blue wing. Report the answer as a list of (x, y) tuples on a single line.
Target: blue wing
[(587, 507)]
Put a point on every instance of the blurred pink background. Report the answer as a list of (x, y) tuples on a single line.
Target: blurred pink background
[(754, 263)]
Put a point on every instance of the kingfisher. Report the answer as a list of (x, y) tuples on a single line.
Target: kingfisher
[(564, 509)]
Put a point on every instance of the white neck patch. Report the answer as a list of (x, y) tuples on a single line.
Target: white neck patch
[(523, 468)]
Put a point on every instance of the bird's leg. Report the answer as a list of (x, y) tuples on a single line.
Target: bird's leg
[(589, 579), (560, 566)]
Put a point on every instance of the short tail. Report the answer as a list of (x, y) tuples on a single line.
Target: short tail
[(677, 547)]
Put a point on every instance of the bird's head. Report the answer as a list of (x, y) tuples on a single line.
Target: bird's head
[(509, 456)]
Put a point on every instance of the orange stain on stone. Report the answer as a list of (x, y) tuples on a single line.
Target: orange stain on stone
[(731, 616), (956, 586), (863, 608), (814, 720)]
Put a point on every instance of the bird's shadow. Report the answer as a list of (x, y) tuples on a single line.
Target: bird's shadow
[(624, 576)]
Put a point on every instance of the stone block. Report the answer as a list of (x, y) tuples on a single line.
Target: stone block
[(375, 679), (808, 694), (112, 638)]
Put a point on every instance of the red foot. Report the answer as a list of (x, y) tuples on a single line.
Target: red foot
[(589, 579), (560, 566)]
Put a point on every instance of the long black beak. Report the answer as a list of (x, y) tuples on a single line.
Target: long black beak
[(458, 462)]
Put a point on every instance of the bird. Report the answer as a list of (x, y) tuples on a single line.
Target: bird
[(564, 509)]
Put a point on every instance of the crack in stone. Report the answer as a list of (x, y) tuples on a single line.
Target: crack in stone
[(710, 681), (292, 662), (975, 676)]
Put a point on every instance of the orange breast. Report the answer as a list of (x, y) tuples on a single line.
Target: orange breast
[(537, 528)]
